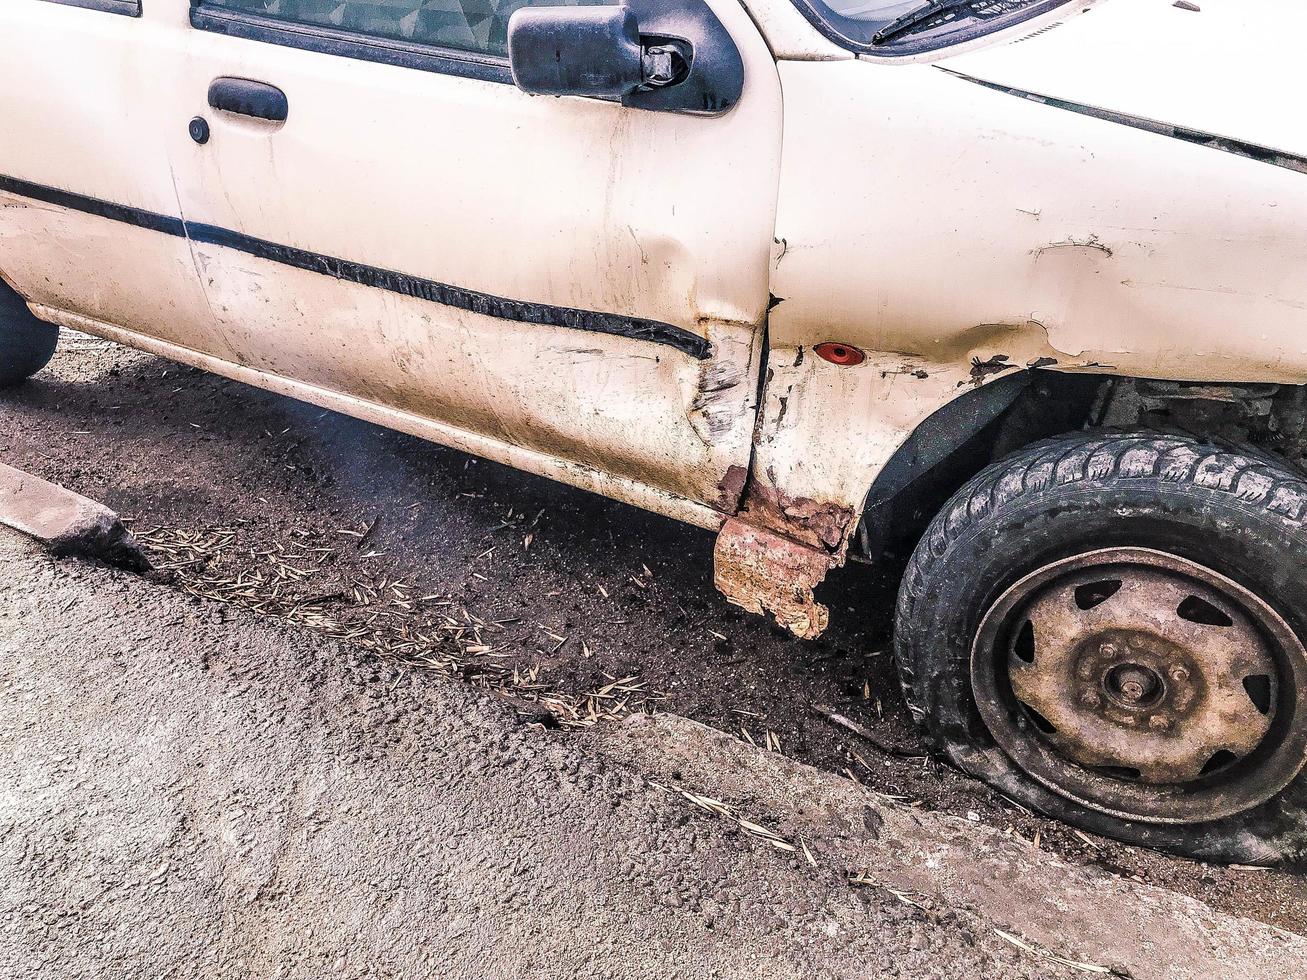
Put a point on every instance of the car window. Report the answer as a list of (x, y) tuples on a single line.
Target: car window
[(132, 8), (476, 26), (907, 27)]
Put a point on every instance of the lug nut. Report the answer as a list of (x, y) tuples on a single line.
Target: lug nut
[(1159, 723), (1179, 674), (1133, 683), (1108, 650), (1090, 700)]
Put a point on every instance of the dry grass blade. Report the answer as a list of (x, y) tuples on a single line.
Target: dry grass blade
[(756, 829), (807, 853), (719, 809), (1038, 951), (845, 722), (907, 898)]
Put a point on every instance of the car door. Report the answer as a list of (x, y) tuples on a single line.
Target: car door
[(90, 231), (580, 280)]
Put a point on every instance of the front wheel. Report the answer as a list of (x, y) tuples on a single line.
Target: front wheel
[(1106, 627), (26, 343)]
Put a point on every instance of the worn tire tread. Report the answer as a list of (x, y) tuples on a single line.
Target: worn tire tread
[(26, 343), (1086, 457)]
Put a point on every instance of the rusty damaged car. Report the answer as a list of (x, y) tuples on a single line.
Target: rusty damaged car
[(1015, 287)]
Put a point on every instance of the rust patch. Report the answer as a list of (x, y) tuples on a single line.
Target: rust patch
[(762, 572), (802, 518), (732, 488)]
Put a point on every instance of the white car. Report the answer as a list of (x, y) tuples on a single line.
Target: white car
[(804, 273)]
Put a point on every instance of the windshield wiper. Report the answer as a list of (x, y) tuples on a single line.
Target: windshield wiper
[(916, 15)]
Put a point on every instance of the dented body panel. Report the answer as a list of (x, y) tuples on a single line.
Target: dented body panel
[(571, 278), (546, 203), (630, 301), (959, 232)]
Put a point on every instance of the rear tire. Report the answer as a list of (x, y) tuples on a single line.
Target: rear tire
[(1138, 750), (26, 343)]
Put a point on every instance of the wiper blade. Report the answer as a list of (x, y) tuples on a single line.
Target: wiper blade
[(932, 8)]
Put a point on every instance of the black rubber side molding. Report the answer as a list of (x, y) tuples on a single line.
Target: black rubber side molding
[(249, 98), (444, 294)]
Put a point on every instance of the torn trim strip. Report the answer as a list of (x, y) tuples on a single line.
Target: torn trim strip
[(519, 311), (1252, 151)]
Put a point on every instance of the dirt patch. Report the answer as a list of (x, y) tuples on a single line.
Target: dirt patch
[(570, 591), (201, 792)]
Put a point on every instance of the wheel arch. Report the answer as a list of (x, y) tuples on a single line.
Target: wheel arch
[(958, 440), (852, 463), (832, 440)]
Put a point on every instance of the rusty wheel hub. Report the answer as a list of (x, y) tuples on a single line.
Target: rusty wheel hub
[(1143, 685)]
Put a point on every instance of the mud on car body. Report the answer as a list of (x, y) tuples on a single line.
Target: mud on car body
[(833, 280)]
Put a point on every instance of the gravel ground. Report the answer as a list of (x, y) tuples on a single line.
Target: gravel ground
[(189, 789), (193, 793), (572, 605)]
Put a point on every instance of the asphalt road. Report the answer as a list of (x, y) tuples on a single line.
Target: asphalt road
[(576, 608)]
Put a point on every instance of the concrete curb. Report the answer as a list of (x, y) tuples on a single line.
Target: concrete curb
[(66, 522), (1083, 914)]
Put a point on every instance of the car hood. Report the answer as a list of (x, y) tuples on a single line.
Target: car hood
[(1231, 69)]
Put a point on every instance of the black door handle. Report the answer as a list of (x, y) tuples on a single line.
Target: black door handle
[(249, 98)]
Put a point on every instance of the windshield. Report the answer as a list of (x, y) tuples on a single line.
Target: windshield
[(862, 24)]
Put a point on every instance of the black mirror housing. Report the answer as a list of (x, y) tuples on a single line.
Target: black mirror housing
[(660, 55), (594, 51)]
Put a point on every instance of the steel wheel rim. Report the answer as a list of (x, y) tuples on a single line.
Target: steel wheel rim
[(1156, 689)]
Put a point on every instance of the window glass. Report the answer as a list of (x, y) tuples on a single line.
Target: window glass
[(132, 8), (909, 26), (479, 26)]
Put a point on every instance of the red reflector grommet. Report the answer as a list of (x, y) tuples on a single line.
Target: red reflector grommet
[(838, 353)]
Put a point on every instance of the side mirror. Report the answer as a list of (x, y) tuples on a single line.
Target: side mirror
[(590, 51)]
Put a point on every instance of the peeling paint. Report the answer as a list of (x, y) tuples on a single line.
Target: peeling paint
[(811, 521), (719, 403), (713, 413), (996, 364)]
